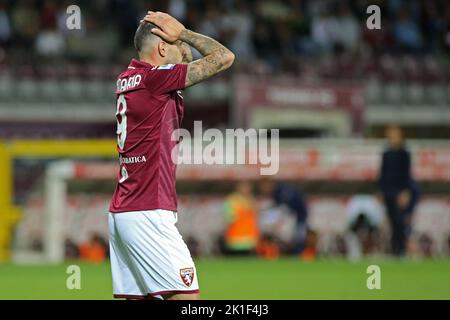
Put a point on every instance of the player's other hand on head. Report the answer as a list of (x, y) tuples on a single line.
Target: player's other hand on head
[(169, 27)]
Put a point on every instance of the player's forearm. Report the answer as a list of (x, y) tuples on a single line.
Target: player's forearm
[(216, 57), (205, 45)]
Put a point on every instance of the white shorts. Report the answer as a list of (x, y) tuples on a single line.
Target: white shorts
[(148, 255)]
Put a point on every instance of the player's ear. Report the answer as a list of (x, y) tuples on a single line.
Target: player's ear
[(162, 49)]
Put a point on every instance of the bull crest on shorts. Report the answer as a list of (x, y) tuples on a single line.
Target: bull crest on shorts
[(187, 275)]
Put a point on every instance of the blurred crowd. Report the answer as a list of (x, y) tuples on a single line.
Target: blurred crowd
[(272, 220), (94, 250), (377, 223), (267, 34)]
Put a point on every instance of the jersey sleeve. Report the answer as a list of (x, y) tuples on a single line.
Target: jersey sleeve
[(167, 78)]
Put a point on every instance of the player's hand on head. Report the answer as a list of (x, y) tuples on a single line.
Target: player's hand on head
[(169, 27)]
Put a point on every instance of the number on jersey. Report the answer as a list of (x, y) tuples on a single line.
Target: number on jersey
[(121, 121), (122, 130)]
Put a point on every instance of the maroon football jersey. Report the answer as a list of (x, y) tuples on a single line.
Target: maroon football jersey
[(149, 109)]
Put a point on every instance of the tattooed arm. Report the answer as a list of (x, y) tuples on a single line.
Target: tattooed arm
[(216, 57)]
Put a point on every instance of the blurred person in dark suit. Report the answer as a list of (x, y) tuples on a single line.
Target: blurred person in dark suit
[(399, 191), (415, 192)]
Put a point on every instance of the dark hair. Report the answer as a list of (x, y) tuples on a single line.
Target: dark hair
[(143, 33)]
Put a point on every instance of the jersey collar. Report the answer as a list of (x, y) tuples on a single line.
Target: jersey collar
[(139, 64)]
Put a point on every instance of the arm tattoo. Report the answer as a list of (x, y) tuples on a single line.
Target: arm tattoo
[(216, 57)]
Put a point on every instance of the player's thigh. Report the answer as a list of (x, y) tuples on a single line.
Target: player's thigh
[(182, 273)]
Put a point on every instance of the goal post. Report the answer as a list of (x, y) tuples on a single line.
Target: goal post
[(55, 201), (10, 213), (57, 176)]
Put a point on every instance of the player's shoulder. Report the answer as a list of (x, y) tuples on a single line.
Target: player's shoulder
[(169, 66), (137, 67), (133, 77), (156, 78), (168, 69)]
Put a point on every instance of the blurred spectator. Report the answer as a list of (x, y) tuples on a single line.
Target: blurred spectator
[(36, 244), (210, 25), (272, 9), (448, 246), (49, 43), (445, 35), (426, 245), (339, 247), (347, 32), (237, 28), (432, 25), (323, 30), (71, 250), (242, 234), (194, 246), (95, 250), (292, 197), (126, 19), (49, 13), (268, 248), (178, 9), (276, 229), (25, 22), (396, 183), (364, 218), (310, 251), (5, 25), (379, 41), (277, 32), (407, 33)]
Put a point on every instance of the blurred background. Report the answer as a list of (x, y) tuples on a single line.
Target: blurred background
[(341, 95)]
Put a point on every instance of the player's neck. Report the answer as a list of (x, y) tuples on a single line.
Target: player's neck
[(151, 61)]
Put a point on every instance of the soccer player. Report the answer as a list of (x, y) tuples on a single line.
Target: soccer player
[(149, 258)]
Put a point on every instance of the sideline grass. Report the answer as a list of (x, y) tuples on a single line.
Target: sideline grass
[(249, 279)]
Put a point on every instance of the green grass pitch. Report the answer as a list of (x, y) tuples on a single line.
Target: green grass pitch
[(249, 279)]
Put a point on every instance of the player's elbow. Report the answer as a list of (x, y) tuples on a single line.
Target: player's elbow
[(228, 60)]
